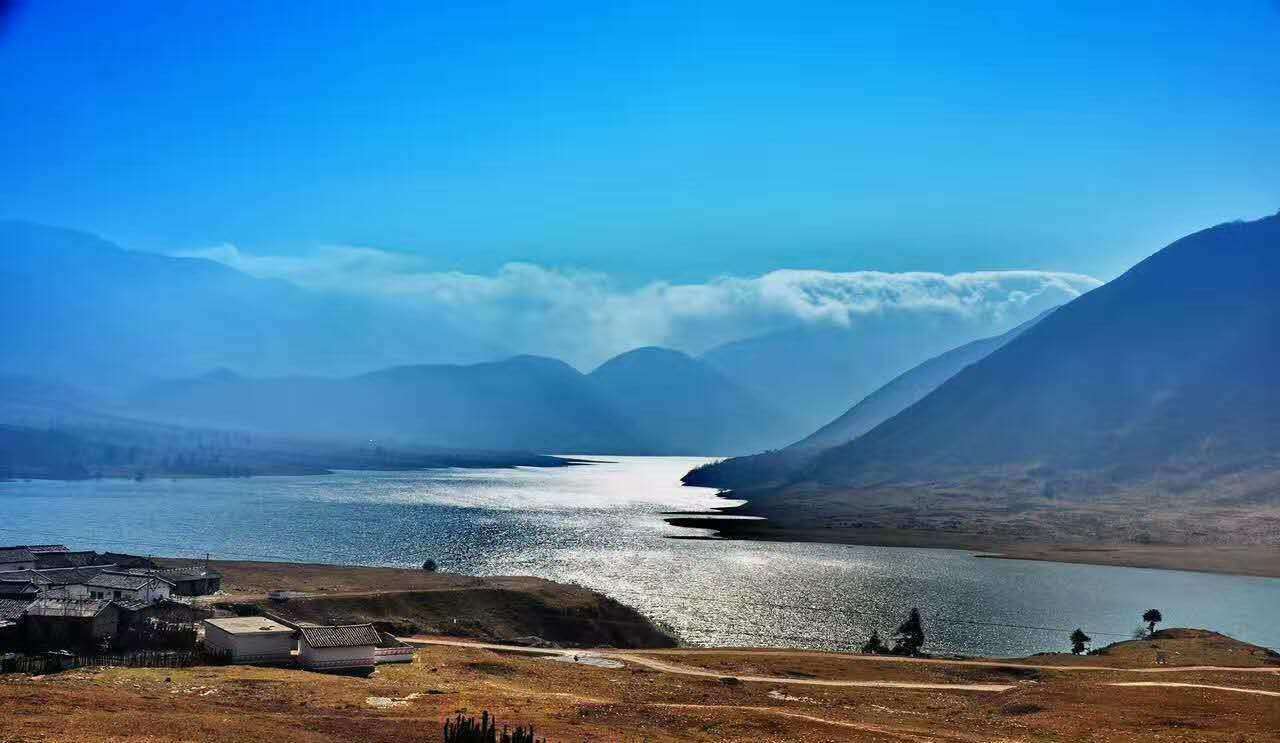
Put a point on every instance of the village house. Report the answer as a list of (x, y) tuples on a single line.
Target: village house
[(16, 558), (59, 622), (249, 639), (19, 587), (113, 585), (11, 611), (192, 581), (66, 559), (347, 647)]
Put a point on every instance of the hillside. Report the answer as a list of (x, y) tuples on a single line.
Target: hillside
[(781, 465), (687, 407), (907, 389), (815, 372), (1140, 414), (1165, 375)]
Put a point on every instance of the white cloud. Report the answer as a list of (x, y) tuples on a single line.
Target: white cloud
[(585, 317)]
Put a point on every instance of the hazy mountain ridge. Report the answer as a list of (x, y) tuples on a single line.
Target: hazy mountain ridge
[(782, 465), (648, 401), (906, 389), (525, 403), (815, 372), (79, 308), (684, 406)]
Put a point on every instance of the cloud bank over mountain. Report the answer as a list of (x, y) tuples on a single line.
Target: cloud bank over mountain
[(586, 317)]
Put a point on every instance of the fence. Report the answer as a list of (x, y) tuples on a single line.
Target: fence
[(61, 661)]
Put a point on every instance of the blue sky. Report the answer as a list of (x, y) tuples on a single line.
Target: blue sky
[(648, 140)]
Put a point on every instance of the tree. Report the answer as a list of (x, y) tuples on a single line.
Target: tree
[(1151, 617), (874, 645), (1078, 640), (429, 565), (910, 635)]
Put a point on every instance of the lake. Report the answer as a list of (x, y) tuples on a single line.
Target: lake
[(601, 526)]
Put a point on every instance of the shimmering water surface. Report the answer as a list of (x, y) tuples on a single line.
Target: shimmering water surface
[(601, 526)]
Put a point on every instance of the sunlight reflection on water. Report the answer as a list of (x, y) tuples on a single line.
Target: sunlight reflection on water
[(601, 526)]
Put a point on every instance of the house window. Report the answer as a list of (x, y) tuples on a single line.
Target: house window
[(117, 594)]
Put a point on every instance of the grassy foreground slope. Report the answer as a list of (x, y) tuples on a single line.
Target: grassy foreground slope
[(637, 702)]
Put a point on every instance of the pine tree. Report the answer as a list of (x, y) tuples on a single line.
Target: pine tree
[(1078, 640), (909, 638)]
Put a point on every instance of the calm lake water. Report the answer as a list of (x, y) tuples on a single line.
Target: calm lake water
[(601, 526)]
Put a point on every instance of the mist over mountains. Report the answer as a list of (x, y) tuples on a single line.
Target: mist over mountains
[(81, 310), (365, 344), (1161, 381)]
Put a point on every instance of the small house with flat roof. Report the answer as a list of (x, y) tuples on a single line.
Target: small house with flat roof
[(249, 639), (346, 647)]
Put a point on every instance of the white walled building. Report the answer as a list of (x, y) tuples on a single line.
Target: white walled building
[(249, 639), (109, 585), (337, 648)]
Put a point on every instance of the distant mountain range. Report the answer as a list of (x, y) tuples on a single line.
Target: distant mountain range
[(141, 333), (648, 401), (1160, 382), (78, 308)]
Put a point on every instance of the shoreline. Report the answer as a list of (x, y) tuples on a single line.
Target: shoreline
[(1258, 561)]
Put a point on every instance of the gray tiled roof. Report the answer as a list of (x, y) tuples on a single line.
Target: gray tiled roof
[(123, 581), (37, 549), (63, 607), (10, 555), (194, 572), (12, 609), (346, 636), (65, 576)]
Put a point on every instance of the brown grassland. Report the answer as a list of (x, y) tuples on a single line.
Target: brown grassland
[(1180, 685)]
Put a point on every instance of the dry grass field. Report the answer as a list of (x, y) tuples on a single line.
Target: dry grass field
[(575, 702)]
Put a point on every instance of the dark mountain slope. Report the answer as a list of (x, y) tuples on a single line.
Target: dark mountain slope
[(526, 403), (781, 465), (815, 372), (906, 389), (687, 407), (1169, 369)]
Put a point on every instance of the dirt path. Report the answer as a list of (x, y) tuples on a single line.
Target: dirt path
[(1261, 692), (658, 665), (907, 734), (672, 668)]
